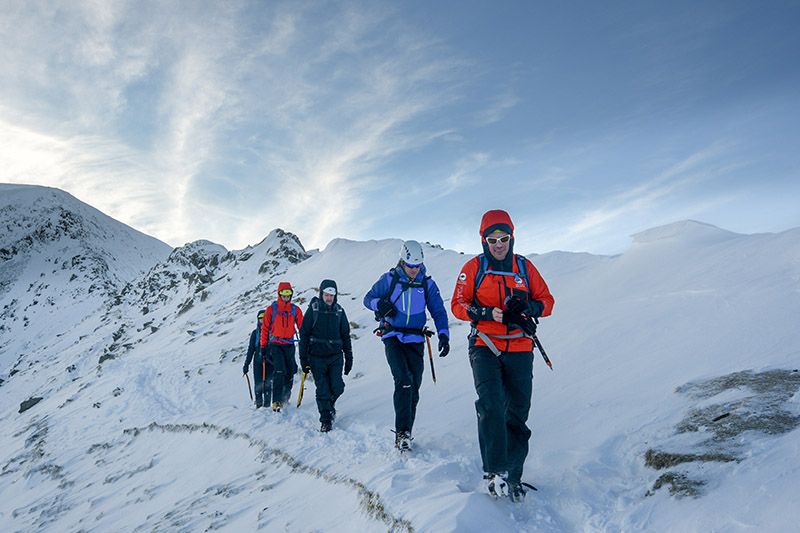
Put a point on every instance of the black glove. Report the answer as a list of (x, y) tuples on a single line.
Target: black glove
[(477, 313), (245, 368), (348, 363), (386, 308), (444, 345), (515, 305), (524, 323), (535, 308), (305, 364)]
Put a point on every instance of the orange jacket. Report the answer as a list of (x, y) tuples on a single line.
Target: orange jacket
[(492, 293), (278, 326)]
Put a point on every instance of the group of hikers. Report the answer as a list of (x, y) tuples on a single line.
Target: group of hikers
[(500, 293)]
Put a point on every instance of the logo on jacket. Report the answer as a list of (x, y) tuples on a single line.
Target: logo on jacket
[(462, 276)]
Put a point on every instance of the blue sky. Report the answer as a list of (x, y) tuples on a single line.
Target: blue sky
[(587, 121)]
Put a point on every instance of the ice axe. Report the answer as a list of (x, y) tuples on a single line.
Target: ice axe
[(302, 388), (428, 334), (249, 389)]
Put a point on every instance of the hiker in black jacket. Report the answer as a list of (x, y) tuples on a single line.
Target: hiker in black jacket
[(324, 337), (262, 368)]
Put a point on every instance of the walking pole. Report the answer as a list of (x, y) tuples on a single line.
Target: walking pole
[(302, 388), (428, 333), (541, 351), (541, 348), (249, 389)]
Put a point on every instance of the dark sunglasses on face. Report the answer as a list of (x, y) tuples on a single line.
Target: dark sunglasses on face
[(495, 240), (409, 265)]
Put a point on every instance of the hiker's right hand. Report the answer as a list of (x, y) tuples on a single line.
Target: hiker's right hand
[(386, 308), (497, 314), (244, 369)]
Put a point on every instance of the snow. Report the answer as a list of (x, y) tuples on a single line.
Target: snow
[(161, 433)]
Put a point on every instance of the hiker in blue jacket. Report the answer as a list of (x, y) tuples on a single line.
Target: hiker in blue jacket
[(399, 299)]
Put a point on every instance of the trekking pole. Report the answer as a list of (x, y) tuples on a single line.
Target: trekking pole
[(541, 348), (302, 388), (428, 334), (249, 389)]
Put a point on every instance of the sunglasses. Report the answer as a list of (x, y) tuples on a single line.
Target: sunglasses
[(494, 240), (409, 265), (285, 292)]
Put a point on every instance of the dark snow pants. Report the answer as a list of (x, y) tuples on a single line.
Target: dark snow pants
[(327, 372), (504, 385), (407, 363), (263, 387), (282, 358)]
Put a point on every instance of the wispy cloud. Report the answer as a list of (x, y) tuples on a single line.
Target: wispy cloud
[(286, 112), (498, 107), (663, 198)]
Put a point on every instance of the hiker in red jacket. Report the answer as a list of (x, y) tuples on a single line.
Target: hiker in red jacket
[(501, 294), (281, 320)]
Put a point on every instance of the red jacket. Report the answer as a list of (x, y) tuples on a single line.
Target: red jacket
[(278, 326), (491, 293)]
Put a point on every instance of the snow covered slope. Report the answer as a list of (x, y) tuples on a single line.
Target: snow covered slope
[(60, 262), (673, 404)]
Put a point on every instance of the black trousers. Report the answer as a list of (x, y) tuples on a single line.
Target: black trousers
[(327, 372), (504, 385), (406, 363), (282, 358), (262, 379)]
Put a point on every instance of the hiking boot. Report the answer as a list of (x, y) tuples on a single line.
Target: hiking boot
[(496, 485), (402, 440), (276, 406), (326, 427), (516, 492), (258, 406)]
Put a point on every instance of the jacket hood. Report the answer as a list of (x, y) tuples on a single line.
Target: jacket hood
[(494, 220), (324, 285), (497, 219), (284, 285)]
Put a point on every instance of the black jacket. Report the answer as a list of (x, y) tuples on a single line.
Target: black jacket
[(325, 331), (251, 349)]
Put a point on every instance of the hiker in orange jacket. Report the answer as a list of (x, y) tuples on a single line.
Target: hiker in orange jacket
[(501, 293), (281, 319)]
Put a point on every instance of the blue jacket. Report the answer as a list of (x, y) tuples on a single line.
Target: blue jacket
[(410, 304)]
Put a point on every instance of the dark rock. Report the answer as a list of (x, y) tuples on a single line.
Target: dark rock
[(30, 402)]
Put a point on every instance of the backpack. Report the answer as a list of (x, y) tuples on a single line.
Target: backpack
[(315, 312), (275, 313), (522, 266), (408, 284)]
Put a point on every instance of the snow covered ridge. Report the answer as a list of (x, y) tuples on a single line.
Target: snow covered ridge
[(673, 405)]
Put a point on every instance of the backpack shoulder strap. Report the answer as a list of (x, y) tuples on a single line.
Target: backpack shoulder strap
[(314, 313), (483, 266), (522, 266)]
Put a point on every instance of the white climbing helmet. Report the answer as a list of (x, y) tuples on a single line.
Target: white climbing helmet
[(411, 253)]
